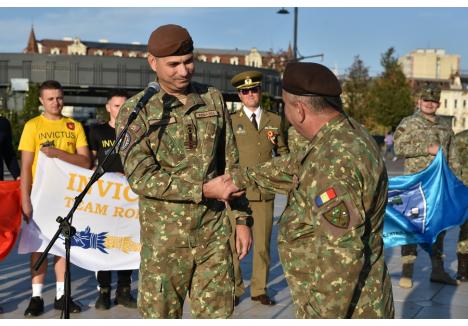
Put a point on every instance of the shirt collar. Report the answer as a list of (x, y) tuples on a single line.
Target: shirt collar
[(248, 113)]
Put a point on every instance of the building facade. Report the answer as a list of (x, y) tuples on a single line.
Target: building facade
[(76, 46), (423, 66)]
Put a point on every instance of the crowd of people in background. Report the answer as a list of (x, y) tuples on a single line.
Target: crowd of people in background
[(188, 158)]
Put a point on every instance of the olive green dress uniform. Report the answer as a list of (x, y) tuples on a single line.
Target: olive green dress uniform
[(255, 147), (461, 143), (411, 139), (332, 252), (170, 150)]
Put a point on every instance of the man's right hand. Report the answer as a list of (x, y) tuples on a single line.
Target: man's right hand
[(26, 209), (433, 149), (221, 188)]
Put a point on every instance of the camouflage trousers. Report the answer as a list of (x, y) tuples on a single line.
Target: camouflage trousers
[(298, 258), (462, 246), (410, 252), (167, 275)]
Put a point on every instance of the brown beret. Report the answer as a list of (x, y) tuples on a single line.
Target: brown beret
[(170, 40), (247, 79), (307, 79)]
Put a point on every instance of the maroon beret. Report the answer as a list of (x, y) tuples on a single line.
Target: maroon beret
[(307, 78), (170, 40)]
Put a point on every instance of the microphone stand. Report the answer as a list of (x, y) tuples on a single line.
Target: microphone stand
[(67, 230)]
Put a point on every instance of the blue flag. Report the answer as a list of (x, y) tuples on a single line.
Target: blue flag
[(422, 205)]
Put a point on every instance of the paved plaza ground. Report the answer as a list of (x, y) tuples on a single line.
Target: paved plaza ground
[(424, 300)]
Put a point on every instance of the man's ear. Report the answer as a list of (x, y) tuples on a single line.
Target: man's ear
[(301, 110), (152, 62)]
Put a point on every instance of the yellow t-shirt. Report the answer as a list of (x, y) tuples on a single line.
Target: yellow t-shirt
[(65, 134)]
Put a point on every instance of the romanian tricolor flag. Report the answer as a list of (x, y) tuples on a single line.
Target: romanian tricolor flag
[(10, 215), (325, 197)]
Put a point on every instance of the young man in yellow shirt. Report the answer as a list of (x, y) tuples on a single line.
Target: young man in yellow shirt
[(57, 137)]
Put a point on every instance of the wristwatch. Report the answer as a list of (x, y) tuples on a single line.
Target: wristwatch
[(247, 220)]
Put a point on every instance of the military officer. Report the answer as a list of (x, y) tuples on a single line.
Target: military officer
[(181, 139), (461, 142), (330, 234), (258, 136), (417, 139)]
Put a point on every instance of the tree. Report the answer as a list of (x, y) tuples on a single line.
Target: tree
[(29, 111), (356, 92), (390, 93)]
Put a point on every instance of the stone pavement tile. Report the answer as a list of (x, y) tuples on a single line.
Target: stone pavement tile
[(406, 309), (442, 311), (453, 295)]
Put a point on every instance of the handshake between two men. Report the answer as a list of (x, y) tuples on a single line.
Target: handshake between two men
[(223, 188)]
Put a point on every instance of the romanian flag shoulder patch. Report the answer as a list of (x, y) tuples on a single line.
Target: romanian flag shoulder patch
[(325, 197)]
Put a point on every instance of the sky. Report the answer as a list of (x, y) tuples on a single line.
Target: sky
[(338, 33)]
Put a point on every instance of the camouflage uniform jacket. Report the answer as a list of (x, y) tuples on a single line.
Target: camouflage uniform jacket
[(414, 134), (461, 143), (170, 150), (336, 205)]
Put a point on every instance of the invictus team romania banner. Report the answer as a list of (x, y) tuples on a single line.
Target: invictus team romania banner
[(107, 227), (10, 215)]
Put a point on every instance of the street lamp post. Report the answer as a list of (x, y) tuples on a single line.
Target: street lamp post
[(284, 11)]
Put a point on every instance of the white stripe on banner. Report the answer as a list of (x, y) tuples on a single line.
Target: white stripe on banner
[(106, 222)]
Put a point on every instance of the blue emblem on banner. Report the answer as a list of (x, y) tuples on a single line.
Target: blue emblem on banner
[(410, 203)]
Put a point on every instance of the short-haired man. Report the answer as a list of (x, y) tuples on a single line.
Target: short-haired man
[(57, 137), (330, 234), (417, 139), (101, 139), (180, 140), (258, 136)]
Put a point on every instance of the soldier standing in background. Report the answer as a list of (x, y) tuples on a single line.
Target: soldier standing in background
[(180, 140), (417, 139), (330, 234), (461, 142), (258, 136)]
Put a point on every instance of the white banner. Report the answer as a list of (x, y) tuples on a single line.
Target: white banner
[(107, 226)]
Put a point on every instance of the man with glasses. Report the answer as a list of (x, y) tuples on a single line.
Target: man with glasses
[(417, 139), (258, 136)]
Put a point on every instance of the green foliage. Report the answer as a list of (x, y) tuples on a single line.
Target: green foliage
[(390, 94), (356, 91)]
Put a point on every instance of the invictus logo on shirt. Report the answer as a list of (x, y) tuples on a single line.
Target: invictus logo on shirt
[(56, 135), (107, 143)]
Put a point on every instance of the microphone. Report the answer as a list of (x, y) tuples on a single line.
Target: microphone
[(152, 89)]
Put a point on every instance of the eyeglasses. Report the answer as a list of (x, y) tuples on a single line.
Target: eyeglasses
[(253, 90)]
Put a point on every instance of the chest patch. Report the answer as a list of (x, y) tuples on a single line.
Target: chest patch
[(206, 114), (325, 197), (338, 216), (240, 129), (162, 122), (71, 125)]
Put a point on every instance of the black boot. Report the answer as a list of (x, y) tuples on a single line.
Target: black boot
[(124, 297), (406, 280), (35, 307), (103, 302), (462, 274), (439, 275)]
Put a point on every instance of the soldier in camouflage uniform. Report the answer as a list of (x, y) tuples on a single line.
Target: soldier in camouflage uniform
[(258, 135), (330, 237), (461, 142), (417, 139), (181, 139)]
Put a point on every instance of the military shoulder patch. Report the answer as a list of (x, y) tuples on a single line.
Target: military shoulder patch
[(338, 216), (325, 197)]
